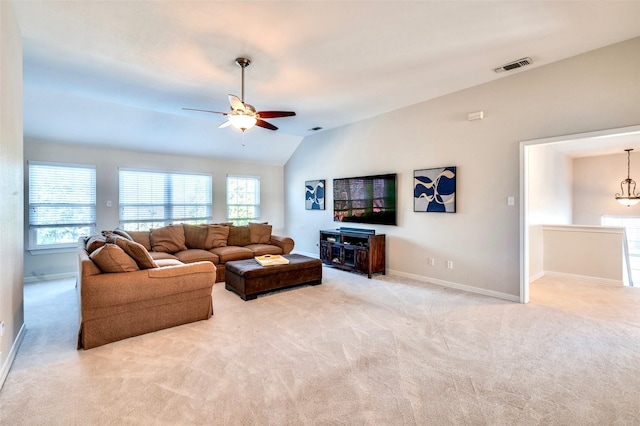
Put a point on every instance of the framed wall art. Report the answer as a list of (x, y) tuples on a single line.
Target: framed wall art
[(434, 190), (314, 194)]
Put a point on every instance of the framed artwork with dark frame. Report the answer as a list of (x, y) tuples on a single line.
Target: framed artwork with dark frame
[(434, 190), (314, 194)]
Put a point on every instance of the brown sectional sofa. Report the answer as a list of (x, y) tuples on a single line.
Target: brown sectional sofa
[(138, 282), (215, 243)]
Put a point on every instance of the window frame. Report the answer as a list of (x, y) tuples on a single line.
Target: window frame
[(32, 228), (168, 206), (243, 220)]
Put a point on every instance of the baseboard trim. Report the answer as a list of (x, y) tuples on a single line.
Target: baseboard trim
[(598, 280), (39, 278), (457, 286), (305, 253), (4, 372), (536, 277)]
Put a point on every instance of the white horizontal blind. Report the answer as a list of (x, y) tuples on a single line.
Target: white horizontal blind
[(243, 199), (155, 199), (62, 204)]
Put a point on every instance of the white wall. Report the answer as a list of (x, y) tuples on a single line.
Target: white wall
[(550, 198), (11, 196), (596, 181), (586, 93), (107, 162), (585, 252)]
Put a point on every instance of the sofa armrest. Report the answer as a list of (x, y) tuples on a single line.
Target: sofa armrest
[(127, 287), (285, 243)]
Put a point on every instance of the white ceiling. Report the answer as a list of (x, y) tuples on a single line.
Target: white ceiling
[(117, 73)]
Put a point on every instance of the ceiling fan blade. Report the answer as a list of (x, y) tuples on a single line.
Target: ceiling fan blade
[(225, 124), (276, 114), (236, 103), (266, 125), (205, 110)]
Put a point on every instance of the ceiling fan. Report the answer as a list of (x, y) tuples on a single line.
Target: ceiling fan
[(244, 116)]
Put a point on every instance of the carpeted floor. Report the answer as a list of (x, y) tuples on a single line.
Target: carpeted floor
[(386, 351)]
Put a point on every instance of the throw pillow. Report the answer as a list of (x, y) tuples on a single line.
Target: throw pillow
[(238, 236), (110, 259), (217, 236), (137, 252), (259, 233), (195, 236), (95, 242), (122, 233), (168, 239)]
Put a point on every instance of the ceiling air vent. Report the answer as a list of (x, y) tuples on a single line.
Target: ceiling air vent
[(515, 64)]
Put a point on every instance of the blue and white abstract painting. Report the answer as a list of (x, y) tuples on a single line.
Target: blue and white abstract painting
[(314, 194), (434, 190)]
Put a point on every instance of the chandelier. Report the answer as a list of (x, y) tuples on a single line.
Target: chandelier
[(631, 199)]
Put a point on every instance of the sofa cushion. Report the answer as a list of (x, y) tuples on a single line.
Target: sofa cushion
[(259, 233), (95, 242), (195, 236), (137, 252), (232, 253), (142, 237), (262, 249), (168, 239), (217, 236), (196, 255), (110, 259), (159, 255), (238, 236)]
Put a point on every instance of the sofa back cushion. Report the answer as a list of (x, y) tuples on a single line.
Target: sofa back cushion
[(137, 252), (259, 233), (217, 236), (168, 239), (142, 237), (111, 259), (238, 236), (195, 236)]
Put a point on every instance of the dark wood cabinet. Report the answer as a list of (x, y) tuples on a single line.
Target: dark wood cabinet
[(353, 249)]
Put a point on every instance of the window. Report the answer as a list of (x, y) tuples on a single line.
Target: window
[(156, 199), (243, 199), (62, 204)]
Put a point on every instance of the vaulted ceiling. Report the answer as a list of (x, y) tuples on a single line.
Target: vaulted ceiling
[(118, 73)]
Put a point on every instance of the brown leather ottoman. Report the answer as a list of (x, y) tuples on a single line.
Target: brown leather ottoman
[(248, 279)]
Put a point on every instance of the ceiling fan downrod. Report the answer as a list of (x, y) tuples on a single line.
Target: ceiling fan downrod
[(243, 63)]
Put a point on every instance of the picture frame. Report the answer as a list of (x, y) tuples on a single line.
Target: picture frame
[(314, 194), (434, 190)]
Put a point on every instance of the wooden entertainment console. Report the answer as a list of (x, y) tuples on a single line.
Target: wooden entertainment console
[(353, 249)]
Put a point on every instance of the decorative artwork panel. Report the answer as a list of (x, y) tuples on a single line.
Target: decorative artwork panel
[(314, 194), (434, 190)]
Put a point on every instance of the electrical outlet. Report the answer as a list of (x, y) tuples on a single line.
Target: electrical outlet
[(1, 328), (450, 264), (431, 261)]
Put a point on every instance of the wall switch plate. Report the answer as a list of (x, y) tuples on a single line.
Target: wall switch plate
[(432, 261), (511, 201), (450, 264)]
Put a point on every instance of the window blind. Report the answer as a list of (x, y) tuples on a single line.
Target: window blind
[(150, 199), (243, 199), (62, 203)]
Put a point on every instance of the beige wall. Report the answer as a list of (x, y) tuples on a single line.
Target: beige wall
[(11, 196), (107, 162), (586, 93), (596, 181)]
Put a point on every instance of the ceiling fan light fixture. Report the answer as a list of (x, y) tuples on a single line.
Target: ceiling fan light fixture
[(631, 198), (242, 121)]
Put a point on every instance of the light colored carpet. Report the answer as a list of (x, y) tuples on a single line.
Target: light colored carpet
[(386, 351)]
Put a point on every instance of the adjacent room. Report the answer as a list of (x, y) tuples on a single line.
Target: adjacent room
[(318, 212)]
